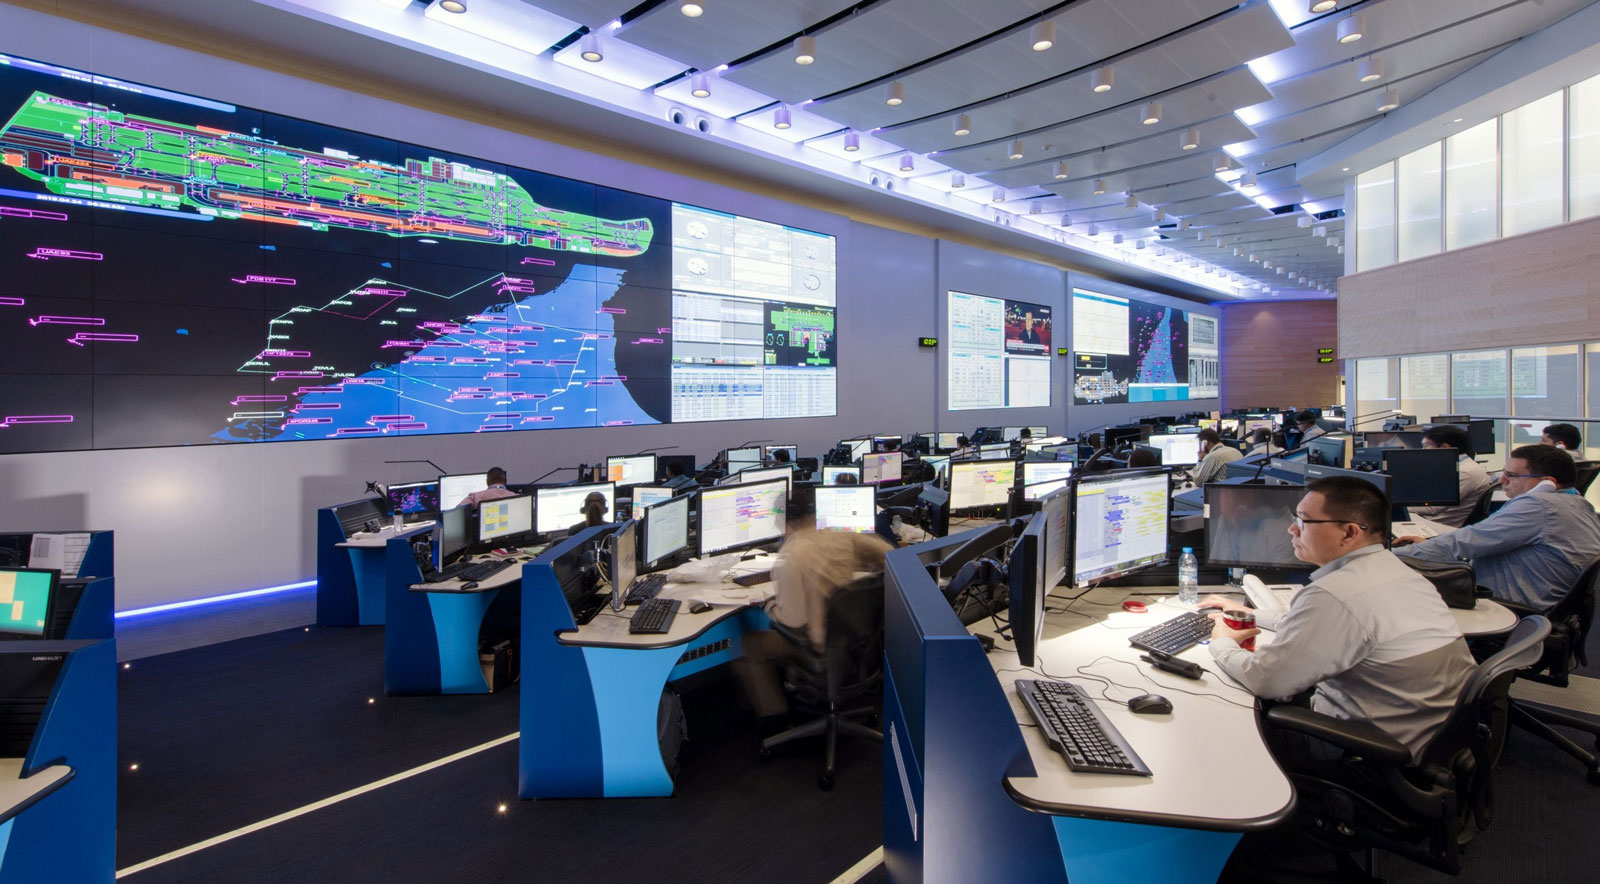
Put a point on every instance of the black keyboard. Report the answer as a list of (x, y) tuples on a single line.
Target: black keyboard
[(1074, 726), (645, 587), (1176, 635), (654, 615), (472, 572), (754, 578)]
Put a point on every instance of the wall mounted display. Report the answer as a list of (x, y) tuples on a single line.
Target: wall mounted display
[(999, 353), (1130, 351)]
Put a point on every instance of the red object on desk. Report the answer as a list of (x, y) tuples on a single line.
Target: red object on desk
[(1135, 607)]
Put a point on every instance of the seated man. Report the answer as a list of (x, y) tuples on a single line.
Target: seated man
[(1370, 634), (675, 477), (1472, 477), (1306, 422), (1563, 436), (496, 490), (1531, 550), (1261, 442), (1214, 457), (810, 566), (1141, 457)]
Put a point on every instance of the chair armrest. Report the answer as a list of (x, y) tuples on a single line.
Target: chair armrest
[(1359, 737), (796, 637), (1518, 609)]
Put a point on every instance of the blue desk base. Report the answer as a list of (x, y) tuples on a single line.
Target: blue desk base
[(1104, 852)]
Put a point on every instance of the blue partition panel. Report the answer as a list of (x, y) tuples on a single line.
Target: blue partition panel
[(70, 835), (410, 641), (627, 693), (1106, 852), (457, 618), (369, 567), (336, 581), (94, 617)]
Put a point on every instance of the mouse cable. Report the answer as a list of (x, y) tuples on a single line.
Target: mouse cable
[(1167, 687)]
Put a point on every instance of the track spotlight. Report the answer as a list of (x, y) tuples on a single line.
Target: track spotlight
[(895, 94), (805, 49)]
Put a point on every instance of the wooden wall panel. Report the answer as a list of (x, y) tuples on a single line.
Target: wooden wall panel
[(1537, 288), (1269, 354)]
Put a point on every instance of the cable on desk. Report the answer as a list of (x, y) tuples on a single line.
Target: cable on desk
[(1164, 686)]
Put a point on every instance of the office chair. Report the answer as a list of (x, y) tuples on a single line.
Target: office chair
[(1587, 470), (1423, 811), (849, 669), (1571, 619), (1480, 510)]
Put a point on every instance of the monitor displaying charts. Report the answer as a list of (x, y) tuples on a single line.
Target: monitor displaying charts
[(1044, 477), (739, 516), (505, 517), (881, 469), (559, 508), (1127, 350), (847, 508), (981, 483)]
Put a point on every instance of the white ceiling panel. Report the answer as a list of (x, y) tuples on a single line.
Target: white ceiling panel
[(589, 13), (728, 30)]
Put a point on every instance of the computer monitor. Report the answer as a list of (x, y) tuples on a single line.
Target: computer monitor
[(454, 489), (786, 473), (1057, 512), (1480, 433), (847, 508), (1044, 477), (768, 450), (881, 469), (1250, 425), (687, 461), (1177, 449), (1027, 584), (886, 443), (939, 463), (27, 596), (506, 519), (948, 441), (1119, 523), (625, 470), (995, 451), (647, 495), (1114, 437), (1422, 476), (1010, 434), (414, 500), (1210, 423), (559, 507), (1395, 439), (1247, 526), (1329, 451), (981, 484), (453, 534), (1036, 432), (664, 531), (830, 475), (740, 458), (622, 560), (857, 447), (736, 517)]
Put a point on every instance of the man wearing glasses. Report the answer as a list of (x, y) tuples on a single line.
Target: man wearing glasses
[(1369, 633), (1531, 550)]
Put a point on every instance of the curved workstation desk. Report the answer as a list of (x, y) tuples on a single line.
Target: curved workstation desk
[(352, 578), (972, 791), (591, 695)]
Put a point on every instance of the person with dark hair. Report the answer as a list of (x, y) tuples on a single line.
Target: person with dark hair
[(496, 490), (1369, 633), (1214, 458), (1473, 480), (675, 477), (1261, 441), (964, 447), (780, 456), (1141, 457), (1563, 436), (1307, 424), (1531, 550)]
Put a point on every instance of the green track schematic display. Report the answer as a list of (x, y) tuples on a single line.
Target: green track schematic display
[(175, 270)]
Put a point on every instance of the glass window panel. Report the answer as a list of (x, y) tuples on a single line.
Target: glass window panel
[(1377, 391), (1421, 222), (1583, 147), (1531, 159), (1591, 363), (1375, 218), (1425, 385), (1545, 382), (1471, 186), (1478, 382)]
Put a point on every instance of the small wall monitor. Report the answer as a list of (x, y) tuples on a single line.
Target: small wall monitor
[(847, 508), (665, 530), (414, 500), (560, 507), (26, 598), (1044, 477), (505, 519), (1247, 526), (648, 495), (1422, 476), (1119, 523), (1177, 449), (454, 489), (831, 475), (631, 469), (881, 469), (981, 484), (736, 517)]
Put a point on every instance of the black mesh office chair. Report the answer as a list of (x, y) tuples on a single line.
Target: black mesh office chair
[(1424, 811), (1571, 619), (850, 669), (1587, 470)]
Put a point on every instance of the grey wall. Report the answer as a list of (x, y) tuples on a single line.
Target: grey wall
[(200, 521)]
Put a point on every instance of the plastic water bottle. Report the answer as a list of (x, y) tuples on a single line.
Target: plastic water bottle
[(1188, 577)]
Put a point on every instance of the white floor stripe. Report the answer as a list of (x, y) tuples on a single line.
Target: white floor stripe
[(859, 870), (314, 806)]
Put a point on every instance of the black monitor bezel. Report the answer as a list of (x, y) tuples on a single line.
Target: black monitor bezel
[(49, 603), (505, 540), (646, 566), (1222, 489), (1422, 454)]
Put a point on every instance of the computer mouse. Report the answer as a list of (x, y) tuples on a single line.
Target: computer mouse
[(1150, 704), (469, 585), (696, 606), (1135, 607)]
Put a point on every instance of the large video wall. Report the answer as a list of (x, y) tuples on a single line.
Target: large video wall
[(999, 353), (176, 270), (1126, 350)]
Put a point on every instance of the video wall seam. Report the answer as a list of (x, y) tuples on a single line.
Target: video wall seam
[(1126, 350), (181, 271)]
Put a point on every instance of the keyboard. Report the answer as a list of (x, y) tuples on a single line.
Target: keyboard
[(1074, 726), (645, 587), (1176, 635), (473, 572), (753, 578), (654, 615)]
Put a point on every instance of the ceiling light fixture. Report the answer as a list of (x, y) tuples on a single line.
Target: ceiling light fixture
[(957, 180), (700, 86), (692, 8), (1161, 215), (1116, 239), (1139, 244), (1183, 223), (1152, 113), (1352, 28), (1016, 150), (455, 6), (999, 195), (1103, 79), (963, 124), (1190, 139), (1132, 202), (1059, 170), (1035, 209), (781, 117), (1388, 101), (1248, 179), (589, 48), (1319, 231), (852, 142), (1221, 163), (805, 49), (1099, 186), (1320, 6), (907, 162), (1238, 251), (1094, 230), (894, 94), (1043, 35), (1369, 69), (1303, 221)]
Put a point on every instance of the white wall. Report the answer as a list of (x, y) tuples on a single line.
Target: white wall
[(199, 521)]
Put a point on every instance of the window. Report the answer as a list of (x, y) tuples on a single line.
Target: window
[(1545, 381), (1425, 385), (1375, 218), (1471, 186), (1583, 149), (1531, 166), (1377, 390), (1420, 222)]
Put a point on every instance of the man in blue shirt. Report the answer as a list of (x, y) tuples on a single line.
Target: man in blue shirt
[(675, 477), (1532, 549)]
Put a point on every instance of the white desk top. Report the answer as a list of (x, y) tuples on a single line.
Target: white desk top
[(504, 576), (381, 537), (1199, 754), (709, 580), (17, 794)]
